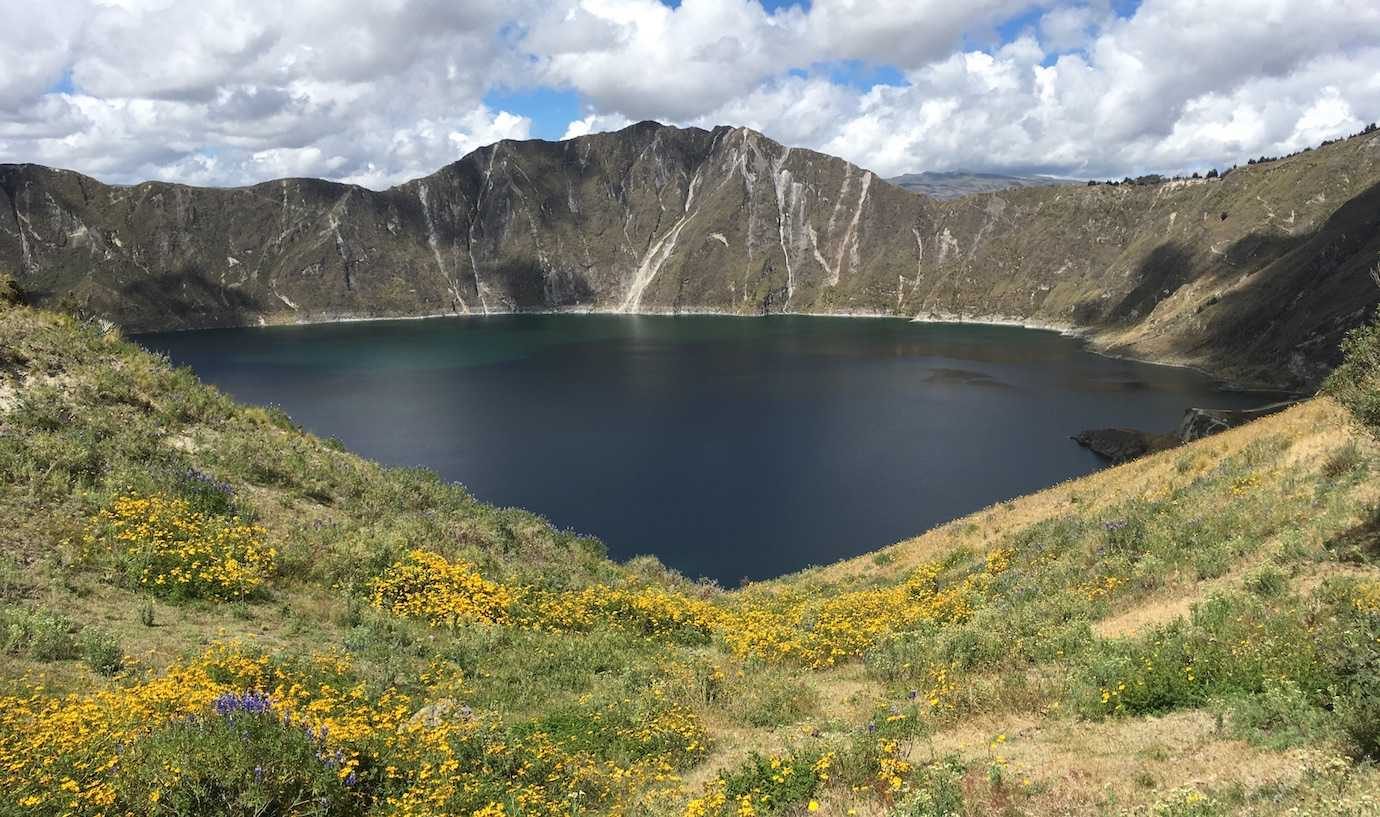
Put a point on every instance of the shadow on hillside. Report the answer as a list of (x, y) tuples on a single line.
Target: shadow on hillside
[(186, 298), (1303, 293), (1360, 543), (526, 286), (1299, 297), (1168, 267)]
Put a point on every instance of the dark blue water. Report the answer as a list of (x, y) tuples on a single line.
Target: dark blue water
[(730, 448)]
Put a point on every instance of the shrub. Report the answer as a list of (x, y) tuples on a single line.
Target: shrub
[(628, 730), (1359, 712), (9, 290), (1187, 802), (146, 613), (100, 649), (771, 698), (204, 493), (903, 656), (1212, 561), (42, 635), (937, 791), (1233, 644), (1356, 382), (167, 547), (1267, 582), (876, 761), (241, 761), (765, 785), (1280, 717), (1357, 650), (1343, 461)]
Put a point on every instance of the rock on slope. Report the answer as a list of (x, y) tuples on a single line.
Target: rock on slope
[(1255, 277)]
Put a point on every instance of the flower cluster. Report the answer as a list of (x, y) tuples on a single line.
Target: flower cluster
[(791, 627), (764, 785), (1101, 588), (173, 550), (426, 585), (892, 768), (1244, 485), (85, 754), (819, 633), (1366, 598), (204, 481), (648, 611), (231, 703), (474, 765), (64, 754)]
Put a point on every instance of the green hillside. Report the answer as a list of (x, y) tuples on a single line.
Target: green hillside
[(205, 610)]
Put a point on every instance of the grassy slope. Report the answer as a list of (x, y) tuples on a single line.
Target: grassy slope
[(1276, 515)]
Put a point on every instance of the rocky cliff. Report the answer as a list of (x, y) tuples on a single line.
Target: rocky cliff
[(1255, 276)]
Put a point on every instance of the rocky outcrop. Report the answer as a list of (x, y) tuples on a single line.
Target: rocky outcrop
[(1119, 445), (1199, 422), (661, 219)]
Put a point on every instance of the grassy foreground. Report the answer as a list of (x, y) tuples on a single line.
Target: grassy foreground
[(204, 610)]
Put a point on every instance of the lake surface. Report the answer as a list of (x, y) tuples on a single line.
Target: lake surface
[(730, 448)]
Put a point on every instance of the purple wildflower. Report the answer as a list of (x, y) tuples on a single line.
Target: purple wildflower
[(231, 703), (205, 480)]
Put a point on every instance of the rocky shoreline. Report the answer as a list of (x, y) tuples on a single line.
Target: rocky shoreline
[(1118, 445)]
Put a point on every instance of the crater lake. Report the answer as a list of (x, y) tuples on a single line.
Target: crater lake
[(730, 448)]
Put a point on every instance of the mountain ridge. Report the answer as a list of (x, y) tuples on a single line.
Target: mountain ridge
[(657, 219)]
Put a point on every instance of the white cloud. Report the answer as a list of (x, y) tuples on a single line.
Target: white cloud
[(904, 33), (377, 91), (639, 58), (236, 91), (595, 123), (1180, 86), (38, 46)]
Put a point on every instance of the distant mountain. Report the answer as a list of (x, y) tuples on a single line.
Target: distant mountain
[(1255, 276), (953, 184)]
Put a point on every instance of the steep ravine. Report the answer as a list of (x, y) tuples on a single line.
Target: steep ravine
[(1254, 277)]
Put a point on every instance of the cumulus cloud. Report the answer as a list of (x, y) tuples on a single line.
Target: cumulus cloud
[(642, 59), (595, 123), (236, 91), (378, 91), (1178, 86)]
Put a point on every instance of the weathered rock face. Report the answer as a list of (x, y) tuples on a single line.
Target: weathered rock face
[(1120, 445), (662, 219), (1200, 422)]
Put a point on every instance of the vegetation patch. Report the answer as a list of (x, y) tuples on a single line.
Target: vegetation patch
[(164, 545), (204, 610)]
